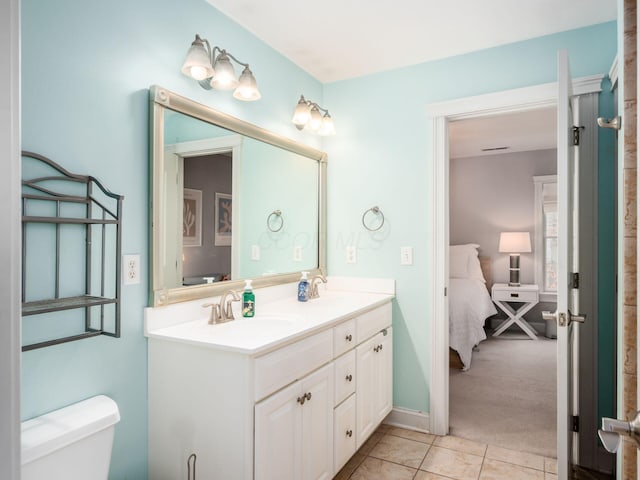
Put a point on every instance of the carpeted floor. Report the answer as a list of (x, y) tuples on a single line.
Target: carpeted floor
[(508, 396)]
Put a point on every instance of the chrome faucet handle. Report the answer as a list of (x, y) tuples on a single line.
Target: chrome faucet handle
[(214, 316), (313, 286), (225, 304)]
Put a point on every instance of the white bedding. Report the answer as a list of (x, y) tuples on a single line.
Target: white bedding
[(469, 306)]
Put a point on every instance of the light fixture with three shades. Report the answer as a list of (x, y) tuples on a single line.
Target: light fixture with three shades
[(307, 115), (212, 68)]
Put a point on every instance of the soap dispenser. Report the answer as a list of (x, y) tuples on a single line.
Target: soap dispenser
[(248, 300), (303, 288)]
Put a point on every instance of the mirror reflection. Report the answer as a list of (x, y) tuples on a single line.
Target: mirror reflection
[(231, 206)]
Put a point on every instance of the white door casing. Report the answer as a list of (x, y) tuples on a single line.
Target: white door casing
[(440, 114)]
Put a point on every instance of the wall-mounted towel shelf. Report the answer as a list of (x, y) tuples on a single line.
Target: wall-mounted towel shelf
[(63, 208)]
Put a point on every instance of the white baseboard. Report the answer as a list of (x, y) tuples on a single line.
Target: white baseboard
[(409, 419)]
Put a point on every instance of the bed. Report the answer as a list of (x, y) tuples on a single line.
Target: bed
[(469, 301)]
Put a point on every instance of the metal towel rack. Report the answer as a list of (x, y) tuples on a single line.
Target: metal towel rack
[(378, 213)]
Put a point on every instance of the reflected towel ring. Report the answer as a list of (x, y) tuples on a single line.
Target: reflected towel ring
[(276, 214), (375, 211)]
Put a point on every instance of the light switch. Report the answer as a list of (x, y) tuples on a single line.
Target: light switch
[(406, 255), (297, 253), (255, 252)]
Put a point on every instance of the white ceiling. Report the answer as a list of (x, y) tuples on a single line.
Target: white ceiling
[(523, 131), (339, 39)]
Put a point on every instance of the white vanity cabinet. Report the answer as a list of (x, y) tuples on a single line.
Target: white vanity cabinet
[(294, 430), (295, 410)]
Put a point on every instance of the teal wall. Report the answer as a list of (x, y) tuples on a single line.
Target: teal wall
[(381, 156), (86, 67)]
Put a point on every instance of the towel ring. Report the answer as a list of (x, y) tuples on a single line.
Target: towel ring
[(276, 214), (375, 211)]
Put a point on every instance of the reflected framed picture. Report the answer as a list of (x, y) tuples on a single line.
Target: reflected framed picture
[(191, 218), (222, 220)]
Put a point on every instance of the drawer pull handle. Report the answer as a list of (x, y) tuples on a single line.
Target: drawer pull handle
[(308, 395), (375, 349), (348, 338), (349, 433), (379, 347), (302, 399), (515, 295), (348, 378)]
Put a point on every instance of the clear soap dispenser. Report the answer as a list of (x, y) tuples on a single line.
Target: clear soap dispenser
[(303, 288)]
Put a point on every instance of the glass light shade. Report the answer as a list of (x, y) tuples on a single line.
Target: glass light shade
[(327, 127), (515, 242), (247, 87), (315, 119), (225, 75), (197, 63), (301, 114)]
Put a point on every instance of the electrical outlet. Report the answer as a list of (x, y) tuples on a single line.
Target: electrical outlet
[(297, 253), (255, 252), (131, 269), (352, 256), (406, 255)]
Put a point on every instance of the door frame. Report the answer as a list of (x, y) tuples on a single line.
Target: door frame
[(439, 115)]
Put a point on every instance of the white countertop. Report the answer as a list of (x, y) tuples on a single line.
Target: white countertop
[(276, 323)]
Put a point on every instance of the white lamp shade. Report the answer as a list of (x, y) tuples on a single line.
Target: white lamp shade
[(197, 64), (515, 242), (327, 128), (315, 119), (225, 75), (247, 87), (301, 114)]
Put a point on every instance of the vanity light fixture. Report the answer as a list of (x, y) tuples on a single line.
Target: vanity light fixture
[(307, 115), (212, 68)]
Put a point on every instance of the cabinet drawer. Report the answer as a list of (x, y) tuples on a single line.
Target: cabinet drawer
[(370, 323), (344, 337), (515, 296), (277, 369), (344, 431), (345, 376)]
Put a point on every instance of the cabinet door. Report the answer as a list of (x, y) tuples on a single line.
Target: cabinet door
[(365, 389), (384, 376), (317, 425), (278, 435), (344, 442)]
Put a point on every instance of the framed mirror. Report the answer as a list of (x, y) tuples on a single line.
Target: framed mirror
[(229, 201)]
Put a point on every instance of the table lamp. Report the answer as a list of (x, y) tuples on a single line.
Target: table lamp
[(514, 243)]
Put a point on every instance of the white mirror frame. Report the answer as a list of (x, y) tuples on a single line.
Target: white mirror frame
[(161, 99)]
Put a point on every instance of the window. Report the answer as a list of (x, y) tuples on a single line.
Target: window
[(546, 235)]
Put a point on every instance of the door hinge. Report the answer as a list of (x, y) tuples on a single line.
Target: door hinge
[(575, 423), (445, 291), (575, 280), (576, 135)]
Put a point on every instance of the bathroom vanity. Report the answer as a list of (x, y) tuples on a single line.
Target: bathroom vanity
[(289, 394)]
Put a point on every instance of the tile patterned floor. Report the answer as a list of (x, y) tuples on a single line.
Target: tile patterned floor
[(398, 454)]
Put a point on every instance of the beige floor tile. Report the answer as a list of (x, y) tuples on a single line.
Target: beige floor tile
[(353, 463), (452, 464), (400, 450), (370, 443), (422, 475), (411, 435), (383, 428), (551, 465), (376, 469), (517, 458), (550, 476), (495, 470), (461, 445)]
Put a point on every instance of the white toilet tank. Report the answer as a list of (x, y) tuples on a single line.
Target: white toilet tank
[(73, 443)]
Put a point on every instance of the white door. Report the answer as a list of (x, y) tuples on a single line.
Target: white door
[(278, 436), (567, 264), (317, 425)]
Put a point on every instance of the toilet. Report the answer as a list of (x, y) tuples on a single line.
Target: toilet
[(73, 443)]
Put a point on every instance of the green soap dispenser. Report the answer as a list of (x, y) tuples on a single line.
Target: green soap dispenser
[(248, 300)]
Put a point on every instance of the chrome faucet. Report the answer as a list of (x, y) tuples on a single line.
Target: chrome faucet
[(226, 312), (313, 285)]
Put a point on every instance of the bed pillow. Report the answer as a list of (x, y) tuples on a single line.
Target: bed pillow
[(475, 271), (459, 256)]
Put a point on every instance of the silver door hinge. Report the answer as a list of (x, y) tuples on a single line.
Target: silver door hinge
[(576, 135), (575, 423), (575, 280), (445, 291)]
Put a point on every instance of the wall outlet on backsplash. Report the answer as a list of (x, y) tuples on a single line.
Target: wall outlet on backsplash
[(352, 256), (297, 253)]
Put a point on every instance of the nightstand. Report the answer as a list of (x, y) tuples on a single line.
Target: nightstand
[(503, 295)]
